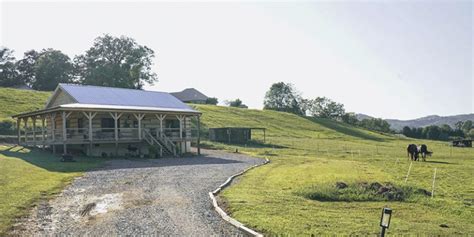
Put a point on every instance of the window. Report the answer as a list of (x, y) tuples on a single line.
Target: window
[(80, 123), (107, 124), (172, 123)]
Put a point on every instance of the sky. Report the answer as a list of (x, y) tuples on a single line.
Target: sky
[(388, 59)]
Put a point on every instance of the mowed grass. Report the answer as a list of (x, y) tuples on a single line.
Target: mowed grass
[(14, 101), (27, 176), (314, 154)]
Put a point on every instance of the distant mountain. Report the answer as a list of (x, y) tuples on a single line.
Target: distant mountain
[(397, 124), (429, 120)]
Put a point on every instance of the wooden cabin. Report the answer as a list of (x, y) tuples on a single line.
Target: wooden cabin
[(105, 121)]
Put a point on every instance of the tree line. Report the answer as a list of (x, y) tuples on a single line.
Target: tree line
[(110, 61), (284, 97), (462, 129)]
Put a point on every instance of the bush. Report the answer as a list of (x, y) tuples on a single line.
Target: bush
[(360, 192), (7, 127)]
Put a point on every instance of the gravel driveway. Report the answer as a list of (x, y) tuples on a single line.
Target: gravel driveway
[(150, 197)]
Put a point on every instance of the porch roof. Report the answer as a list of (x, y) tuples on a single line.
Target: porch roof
[(107, 108)]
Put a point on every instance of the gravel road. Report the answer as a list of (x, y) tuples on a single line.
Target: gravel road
[(131, 197)]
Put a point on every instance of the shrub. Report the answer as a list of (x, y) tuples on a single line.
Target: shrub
[(363, 191), (7, 127)]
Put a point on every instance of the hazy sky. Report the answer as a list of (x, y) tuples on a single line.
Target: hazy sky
[(390, 59)]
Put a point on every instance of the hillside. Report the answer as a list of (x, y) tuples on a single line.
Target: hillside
[(295, 194), (398, 124), (15, 101)]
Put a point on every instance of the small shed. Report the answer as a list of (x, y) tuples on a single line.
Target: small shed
[(462, 143), (233, 134)]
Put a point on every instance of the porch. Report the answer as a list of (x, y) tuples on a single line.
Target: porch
[(167, 131)]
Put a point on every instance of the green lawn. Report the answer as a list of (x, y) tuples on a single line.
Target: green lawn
[(27, 176), (314, 154)]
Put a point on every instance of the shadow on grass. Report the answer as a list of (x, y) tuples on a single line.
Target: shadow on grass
[(50, 162), (439, 162), (345, 129), (250, 144)]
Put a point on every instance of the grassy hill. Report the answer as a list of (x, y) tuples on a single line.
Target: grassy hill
[(296, 193), (14, 101)]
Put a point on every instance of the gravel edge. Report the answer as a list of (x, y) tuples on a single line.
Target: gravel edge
[(223, 214)]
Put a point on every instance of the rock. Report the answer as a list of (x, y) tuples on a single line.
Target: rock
[(444, 226), (341, 185)]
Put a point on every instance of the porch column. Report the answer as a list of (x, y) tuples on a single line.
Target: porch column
[(52, 116), (90, 116), (199, 134), (18, 122), (161, 117), (139, 117), (43, 135), (180, 118), (65, 115), (116, 117), (33, 119), (25, 122)]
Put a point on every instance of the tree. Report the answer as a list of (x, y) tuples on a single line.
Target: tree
[(283, 97), (376, 124), (350, 118), (432, 132), (471, 133), (116, 62), (466, 126), (325, 108), (236, 103), (8, 72), (44, 70), (26, 66), (51, 68), (407, 131), (212, 101)]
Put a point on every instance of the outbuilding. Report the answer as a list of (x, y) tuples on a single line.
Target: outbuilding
[(233, 134)]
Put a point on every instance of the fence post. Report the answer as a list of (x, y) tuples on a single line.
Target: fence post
[(408, 173), (433, 186)]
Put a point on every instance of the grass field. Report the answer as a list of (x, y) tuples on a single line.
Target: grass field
[(14, 101), (27, 176), (311, 155), (308, 157)]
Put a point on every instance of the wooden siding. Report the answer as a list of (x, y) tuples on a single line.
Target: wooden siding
[(60, 98)]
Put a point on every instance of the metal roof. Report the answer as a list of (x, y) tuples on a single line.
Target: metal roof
[(107, 97), (190, 94)]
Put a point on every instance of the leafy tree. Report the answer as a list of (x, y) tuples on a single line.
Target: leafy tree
[(26, 66), (376, 124), (283, 97), (350, 118), (116, 62), (51, 68), (325, 108), (466, 126), (44, 70), (432, 132), (212, 101), (8, 72), (471, 133), (236, 103), (407, 131)]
